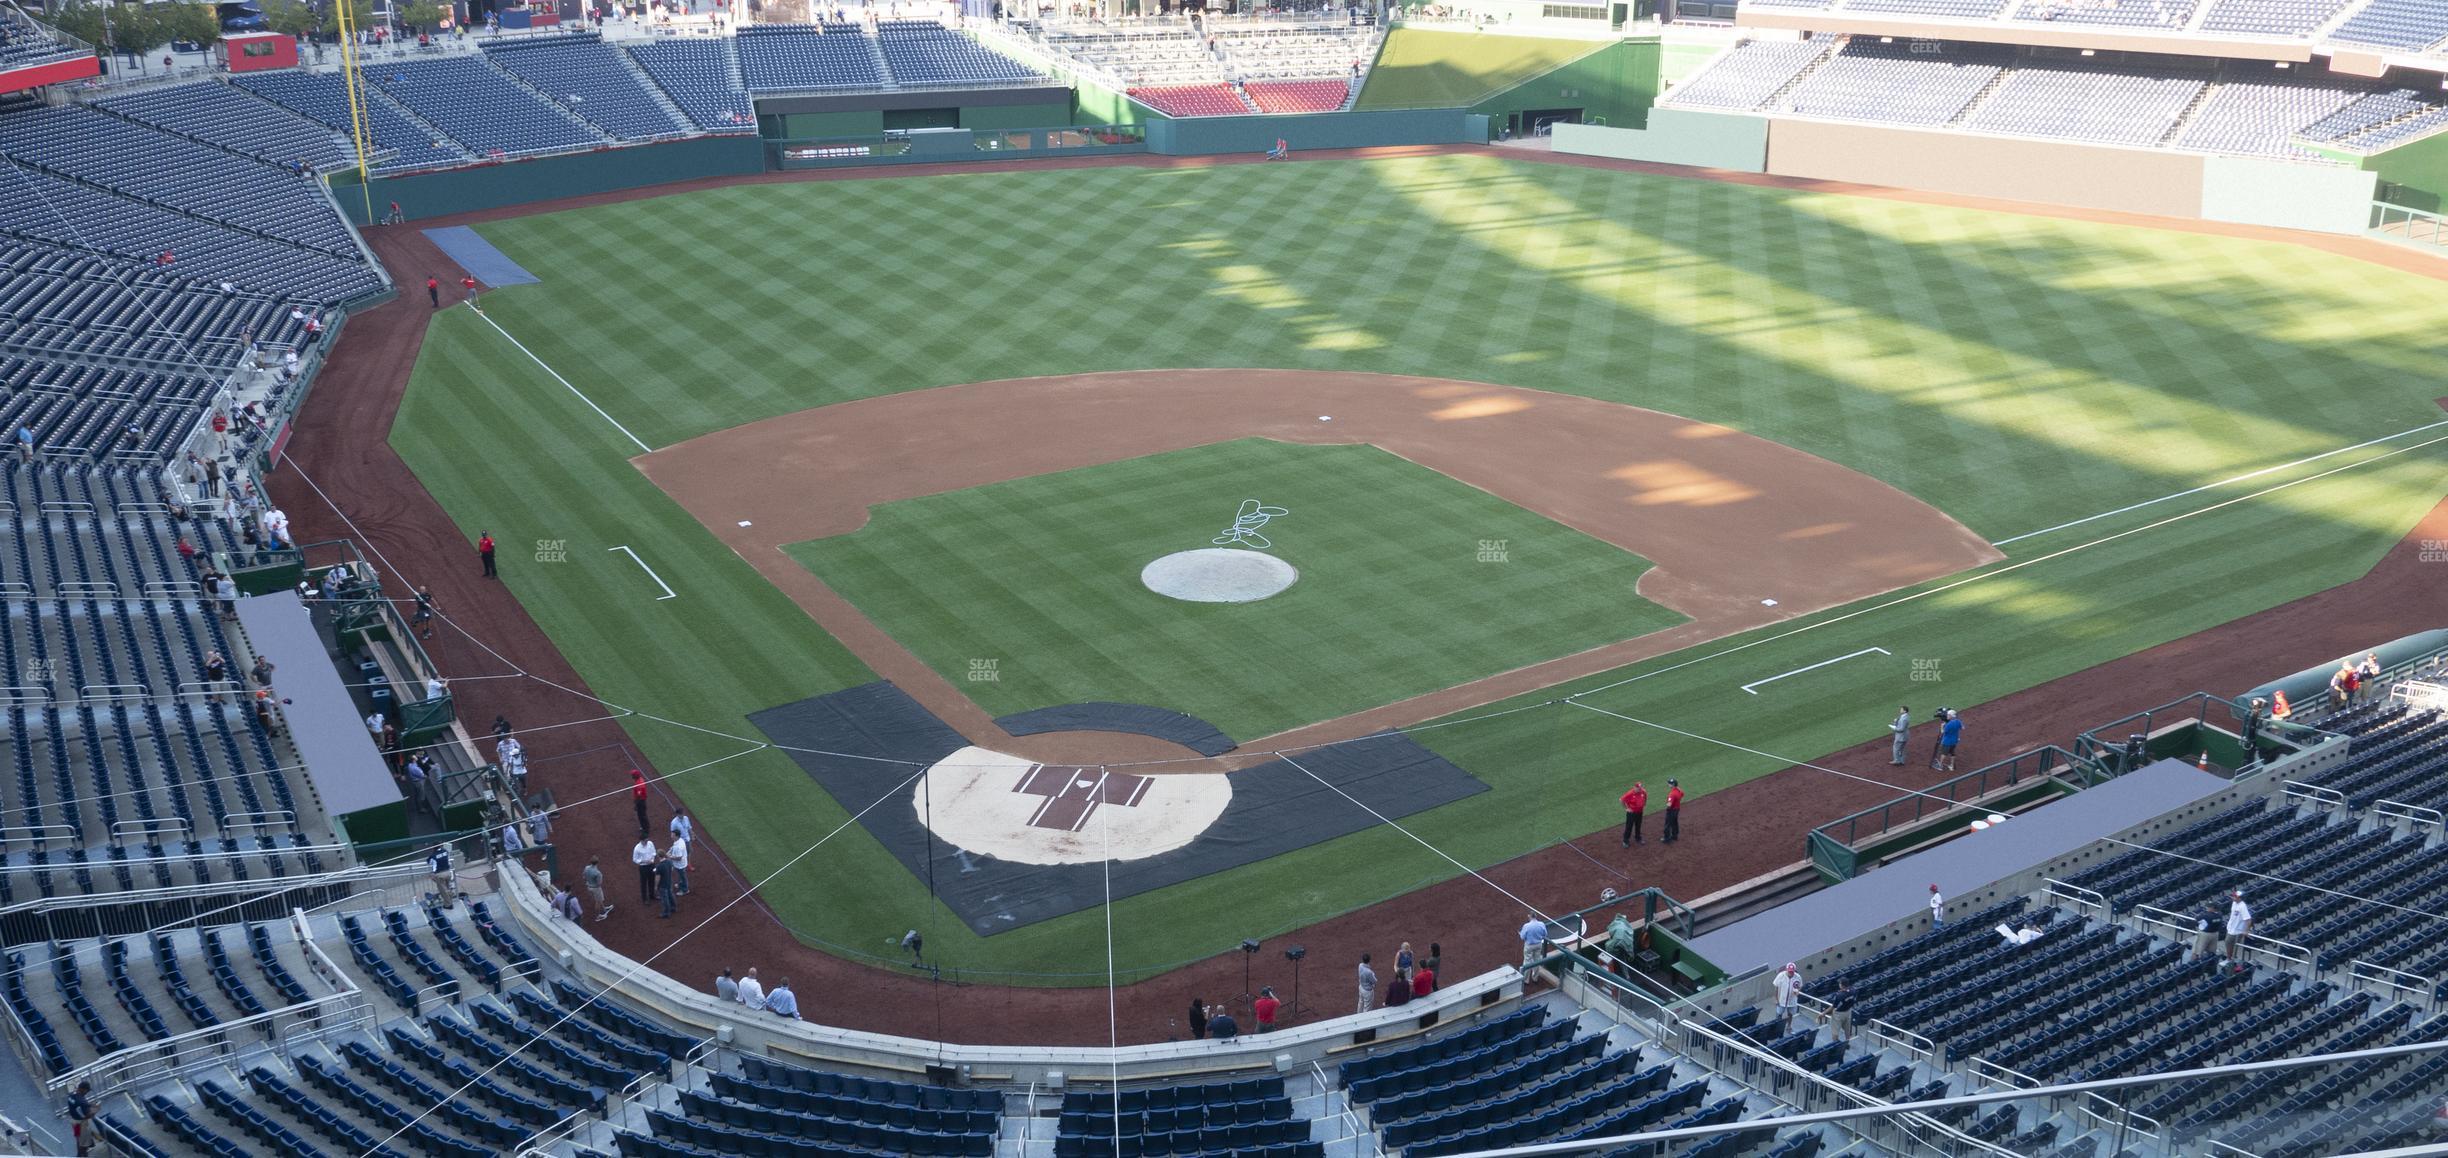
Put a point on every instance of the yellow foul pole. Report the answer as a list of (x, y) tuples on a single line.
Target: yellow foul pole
[(356, 100)]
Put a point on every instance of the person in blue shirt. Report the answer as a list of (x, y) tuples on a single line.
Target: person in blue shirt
[(782, 1000), (1950, 734)]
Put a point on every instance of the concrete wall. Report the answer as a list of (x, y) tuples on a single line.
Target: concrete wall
[(426, 195), (1677, 137), (2089, 176), (2253, 191), (696, 1012)]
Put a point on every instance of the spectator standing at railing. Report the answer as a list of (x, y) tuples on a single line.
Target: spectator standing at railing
[(2370, 671), (81, 1116), (2205, 930), (1368, 984), (2239, 926), (25, 442), (1937, 908)]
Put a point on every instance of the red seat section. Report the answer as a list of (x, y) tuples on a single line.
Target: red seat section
[(1297, 96), (1193, 100)]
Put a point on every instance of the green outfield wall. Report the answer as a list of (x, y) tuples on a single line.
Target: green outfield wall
[(1095, 104), (1198, 136), (2414, 175), (428, 195), (1614, 86)]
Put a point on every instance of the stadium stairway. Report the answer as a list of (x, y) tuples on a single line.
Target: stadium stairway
[(662, 99)]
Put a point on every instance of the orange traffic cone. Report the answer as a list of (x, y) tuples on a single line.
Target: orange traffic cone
[(2203, 763)]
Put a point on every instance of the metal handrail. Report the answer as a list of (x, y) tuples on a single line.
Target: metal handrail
[(1900, 1039), (2397, 981), (2074, 894), (2317, 794), (2001, 1076), (2414, 813)]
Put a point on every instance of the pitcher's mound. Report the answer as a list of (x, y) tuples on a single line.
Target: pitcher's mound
[(1218, 575)]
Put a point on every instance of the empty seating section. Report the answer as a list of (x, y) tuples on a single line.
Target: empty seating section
[(2242, 108), (1520, 1079), (322, 97), (1297, 96), (1749, 75), (1293, 51), (230, 118), (1161, 57), (481, 108), (2399, 131), (1248, 1116), (2259, 119), (186, 175), (2371, 111), (67, 213), (2111, 107), (58, 301), (589, 78), (2404, 24), (1951, 9), (923, 53), (2289, 18), (23, 43), (84, 411), (802, 57), (1894, 84), (700, 77), (2092, 1001), (1194, 100), (116, 752), (2164, 14)]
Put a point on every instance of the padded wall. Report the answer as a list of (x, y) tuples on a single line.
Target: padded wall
[(2050, 172)]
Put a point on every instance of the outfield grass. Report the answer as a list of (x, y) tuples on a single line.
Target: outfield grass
[(1424, 68), (1041, 576), (2014, 371)]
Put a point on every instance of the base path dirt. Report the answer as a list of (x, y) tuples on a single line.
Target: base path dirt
[(1730, 836), (1741, 531)]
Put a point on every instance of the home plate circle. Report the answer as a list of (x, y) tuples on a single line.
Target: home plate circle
[(1000, 805), (1218, 575)]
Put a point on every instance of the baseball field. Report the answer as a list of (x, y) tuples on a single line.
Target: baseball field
[(1738, 468)]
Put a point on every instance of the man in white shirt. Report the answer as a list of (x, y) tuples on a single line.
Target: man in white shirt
[(1937, 908), (643, 856), (2239, 923), (1788, 986), (751, 990), (436, 687), (679, 852)]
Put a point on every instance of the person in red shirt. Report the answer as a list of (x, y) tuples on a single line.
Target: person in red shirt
[(484, 551), (1674, 812), (467, 284), (637, 797), (1423, 981), (1635, 803), (433, 289), (1264, 1009), (166, 258)]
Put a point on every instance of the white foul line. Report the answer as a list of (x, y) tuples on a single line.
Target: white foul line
[(1822, 663), (641, 443), (2218, 484), (668, 593)]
